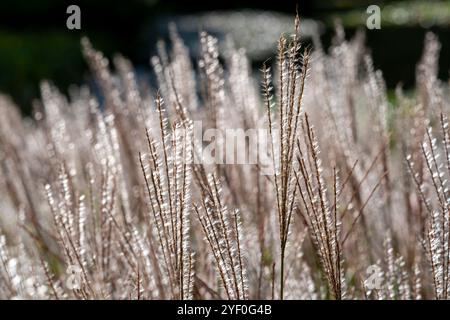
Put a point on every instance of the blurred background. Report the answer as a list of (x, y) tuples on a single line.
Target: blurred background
[(35, 43)]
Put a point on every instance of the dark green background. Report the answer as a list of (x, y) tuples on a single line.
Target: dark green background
[(35, 43)]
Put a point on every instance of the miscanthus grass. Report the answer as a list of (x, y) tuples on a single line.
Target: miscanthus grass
[(101, 196)]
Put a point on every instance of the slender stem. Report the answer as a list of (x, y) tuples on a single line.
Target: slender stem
[(282, 272)]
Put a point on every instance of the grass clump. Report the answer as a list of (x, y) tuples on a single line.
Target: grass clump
[(103, 199)]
